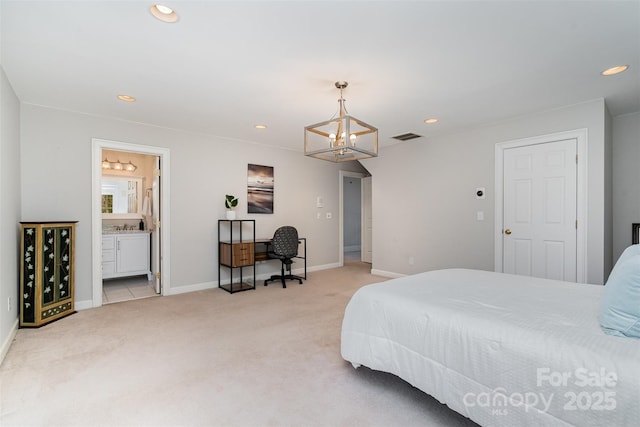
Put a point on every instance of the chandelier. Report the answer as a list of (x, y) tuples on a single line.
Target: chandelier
[(341, 139)]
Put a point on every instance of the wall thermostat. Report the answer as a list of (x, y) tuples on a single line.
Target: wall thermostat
[(480, 193)]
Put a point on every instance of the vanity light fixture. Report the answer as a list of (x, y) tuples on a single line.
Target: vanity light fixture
[(260, 126), (329, 141), (129, 167), (117, 166), (431, 121), (614, 70), (164, 13)]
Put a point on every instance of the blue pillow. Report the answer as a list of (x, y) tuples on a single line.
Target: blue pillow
[(620, 304)]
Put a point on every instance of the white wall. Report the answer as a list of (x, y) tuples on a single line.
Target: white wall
[(56, 185), (10, 211), (626, 179), (424, 194)]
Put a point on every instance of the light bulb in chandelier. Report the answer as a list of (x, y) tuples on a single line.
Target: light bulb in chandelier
[(352, 138)]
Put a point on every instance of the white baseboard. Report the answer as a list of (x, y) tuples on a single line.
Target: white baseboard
[(389, 274), (259, 277), (321, 267), (192, 288), (7, 343)]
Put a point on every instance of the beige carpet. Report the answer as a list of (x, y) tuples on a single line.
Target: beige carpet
[(269, 357)]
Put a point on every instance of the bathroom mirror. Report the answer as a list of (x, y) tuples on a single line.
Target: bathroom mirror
[(121, 197)]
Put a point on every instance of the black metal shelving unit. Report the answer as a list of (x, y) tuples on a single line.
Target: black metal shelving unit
[(236, 253)]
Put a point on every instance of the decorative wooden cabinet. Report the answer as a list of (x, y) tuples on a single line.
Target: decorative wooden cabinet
[(46, 271), (235, 252)]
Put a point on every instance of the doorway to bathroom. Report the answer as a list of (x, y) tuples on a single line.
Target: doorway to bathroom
[(129, 191), (130, 230)]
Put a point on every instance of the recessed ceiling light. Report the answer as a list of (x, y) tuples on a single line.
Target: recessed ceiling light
[(164, 13), (614, 70), (261, 126), (431, 121), (164, 9), (126, 98)]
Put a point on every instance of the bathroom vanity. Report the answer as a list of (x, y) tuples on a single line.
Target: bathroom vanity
[(126, 253)]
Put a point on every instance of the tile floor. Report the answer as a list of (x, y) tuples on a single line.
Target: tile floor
[(126, 289)]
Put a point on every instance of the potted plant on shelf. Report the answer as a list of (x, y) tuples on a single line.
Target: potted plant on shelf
[(230, 202)]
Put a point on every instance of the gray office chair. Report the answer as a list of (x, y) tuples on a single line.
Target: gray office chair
[(284, 246)]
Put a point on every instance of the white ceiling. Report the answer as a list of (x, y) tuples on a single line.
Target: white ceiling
[(226, 66)]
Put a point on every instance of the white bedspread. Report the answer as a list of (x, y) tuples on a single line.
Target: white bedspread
[(500, 349)]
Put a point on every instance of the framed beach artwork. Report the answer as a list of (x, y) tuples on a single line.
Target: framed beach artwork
[(260, 189)]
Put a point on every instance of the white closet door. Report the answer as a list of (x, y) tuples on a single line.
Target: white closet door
[(540, 213)]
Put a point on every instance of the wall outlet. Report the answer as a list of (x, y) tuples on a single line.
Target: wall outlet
[(329, 216), (411, 260)]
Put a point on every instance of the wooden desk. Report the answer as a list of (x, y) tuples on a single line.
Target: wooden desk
[(262, 247), (239, 252)]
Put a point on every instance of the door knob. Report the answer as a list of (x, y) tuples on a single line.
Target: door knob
[(507, 231)]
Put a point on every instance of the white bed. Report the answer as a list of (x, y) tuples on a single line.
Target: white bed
[(484, 342)]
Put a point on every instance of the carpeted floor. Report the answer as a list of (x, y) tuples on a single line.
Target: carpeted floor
[(269, 357)]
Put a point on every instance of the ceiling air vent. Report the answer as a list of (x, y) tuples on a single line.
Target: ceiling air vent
[(406, 136)]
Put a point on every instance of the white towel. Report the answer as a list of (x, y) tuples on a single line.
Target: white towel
[(146, 206)]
